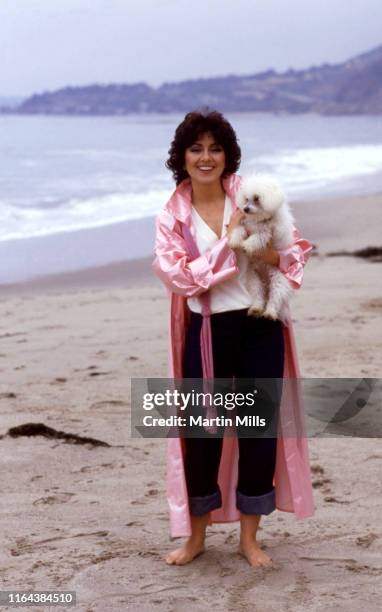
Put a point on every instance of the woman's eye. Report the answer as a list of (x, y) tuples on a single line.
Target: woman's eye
[(213, 149)]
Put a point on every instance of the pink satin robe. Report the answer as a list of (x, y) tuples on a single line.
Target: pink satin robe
[(185, 278)]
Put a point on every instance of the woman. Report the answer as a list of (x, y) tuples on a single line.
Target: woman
[(215, 479)]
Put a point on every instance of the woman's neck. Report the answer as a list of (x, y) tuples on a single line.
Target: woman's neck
[(207, 194)]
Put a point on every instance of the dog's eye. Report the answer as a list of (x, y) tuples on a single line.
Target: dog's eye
[(256, 198)]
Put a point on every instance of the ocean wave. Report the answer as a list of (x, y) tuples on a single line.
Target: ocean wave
[(306, 169), (77, 214)]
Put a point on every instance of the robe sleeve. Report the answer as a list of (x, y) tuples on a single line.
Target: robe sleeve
[(294, 258), (179, 272)]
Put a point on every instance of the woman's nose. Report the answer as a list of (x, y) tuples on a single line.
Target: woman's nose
[(205, 154), (205, 158)]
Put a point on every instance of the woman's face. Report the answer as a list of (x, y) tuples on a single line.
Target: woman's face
[(205, 159)]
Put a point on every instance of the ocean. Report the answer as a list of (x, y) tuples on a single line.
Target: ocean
[(63, 178)]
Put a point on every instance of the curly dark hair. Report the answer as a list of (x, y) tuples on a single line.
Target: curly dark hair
[(194, 125)]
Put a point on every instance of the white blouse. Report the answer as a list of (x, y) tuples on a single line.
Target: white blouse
[(231, 294)]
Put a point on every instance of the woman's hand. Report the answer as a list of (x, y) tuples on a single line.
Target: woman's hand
[(234, 221), (269, 256)]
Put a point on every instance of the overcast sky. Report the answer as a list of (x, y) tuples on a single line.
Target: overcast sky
[(47, 44)]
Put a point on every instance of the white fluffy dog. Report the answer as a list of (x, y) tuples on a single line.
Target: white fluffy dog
[(267, 222)]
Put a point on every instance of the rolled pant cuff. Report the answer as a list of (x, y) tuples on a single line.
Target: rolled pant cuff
[(256, 504), (206, 503)]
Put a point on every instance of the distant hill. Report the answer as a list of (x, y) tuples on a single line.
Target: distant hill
[(352, 87)]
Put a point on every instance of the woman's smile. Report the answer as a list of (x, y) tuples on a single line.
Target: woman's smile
[(206, 168)]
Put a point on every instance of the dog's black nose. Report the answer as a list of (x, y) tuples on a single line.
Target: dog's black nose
[(246, 209)]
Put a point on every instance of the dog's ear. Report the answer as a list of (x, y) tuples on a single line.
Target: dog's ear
[(240, 198), (283, 229), (272, 192), (278, 195)]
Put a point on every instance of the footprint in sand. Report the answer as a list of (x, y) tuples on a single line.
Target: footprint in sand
[(366, 540), (333, 500), (152, 493), (59, 498), (230, 539), (95, 373), (320, 481), (59, 380), (105, 403), (353, 566), (12, 334), (374, 304), (317, 469)]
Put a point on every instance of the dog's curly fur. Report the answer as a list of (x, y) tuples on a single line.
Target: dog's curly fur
[(268, 221)]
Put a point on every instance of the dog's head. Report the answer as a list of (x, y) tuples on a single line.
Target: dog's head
[(260, 196)]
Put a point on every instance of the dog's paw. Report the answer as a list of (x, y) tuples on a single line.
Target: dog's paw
[(251, 246), (270, 313), (234, 243), (256, 310)]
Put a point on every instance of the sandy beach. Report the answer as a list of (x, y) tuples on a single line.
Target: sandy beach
[(92, 518)]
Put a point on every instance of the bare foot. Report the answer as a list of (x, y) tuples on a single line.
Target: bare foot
[(185, 554), (254, 554)]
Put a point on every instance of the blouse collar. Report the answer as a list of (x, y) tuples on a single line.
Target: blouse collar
[(179, 204)]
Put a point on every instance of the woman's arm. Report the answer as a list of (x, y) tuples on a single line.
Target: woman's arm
[(181, 275), (294, 258)]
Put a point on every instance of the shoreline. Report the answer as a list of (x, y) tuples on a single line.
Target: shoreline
[(32, 258), (122, 274)]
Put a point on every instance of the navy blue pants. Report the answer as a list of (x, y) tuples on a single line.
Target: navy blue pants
[(244, 347)]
